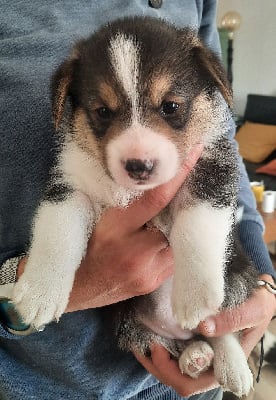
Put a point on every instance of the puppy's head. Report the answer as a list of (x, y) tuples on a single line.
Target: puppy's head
[(142, 93)]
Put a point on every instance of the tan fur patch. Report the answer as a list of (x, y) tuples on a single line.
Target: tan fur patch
[(109, 96), (86, 139), (195, 42), (84, 136), (60, 98), (221, 84), (64, 79), (159, 88)]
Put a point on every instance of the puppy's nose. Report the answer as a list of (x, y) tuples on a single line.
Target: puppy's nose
[(139, 169)]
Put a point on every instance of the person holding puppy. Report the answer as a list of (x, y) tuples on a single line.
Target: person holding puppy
[(78, 358)]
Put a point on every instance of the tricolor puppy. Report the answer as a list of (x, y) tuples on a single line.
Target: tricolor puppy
[(129, 104)]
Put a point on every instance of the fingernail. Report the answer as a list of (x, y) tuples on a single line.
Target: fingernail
[(209, 326)]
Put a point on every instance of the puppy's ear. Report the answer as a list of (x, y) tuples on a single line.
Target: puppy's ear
[(213, 71), (60, 86)]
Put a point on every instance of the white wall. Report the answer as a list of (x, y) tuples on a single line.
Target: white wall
[(254, 65)]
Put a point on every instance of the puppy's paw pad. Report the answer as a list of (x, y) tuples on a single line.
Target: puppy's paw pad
[(196, 358)]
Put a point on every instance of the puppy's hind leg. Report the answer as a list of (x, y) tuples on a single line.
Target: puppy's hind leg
[(230, 365)]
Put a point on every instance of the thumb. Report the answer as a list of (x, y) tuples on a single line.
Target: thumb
[(257, 309), (225, 322)]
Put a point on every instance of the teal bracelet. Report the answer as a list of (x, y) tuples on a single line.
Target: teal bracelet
[(11, 320)]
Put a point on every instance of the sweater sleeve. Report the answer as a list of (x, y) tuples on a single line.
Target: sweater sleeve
[(208, 29)]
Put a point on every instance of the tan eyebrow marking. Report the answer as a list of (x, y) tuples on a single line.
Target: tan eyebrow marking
[(108, 96), (159, 88)]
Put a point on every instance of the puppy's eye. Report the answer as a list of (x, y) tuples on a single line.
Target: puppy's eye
[(104, 112), (169, 107)]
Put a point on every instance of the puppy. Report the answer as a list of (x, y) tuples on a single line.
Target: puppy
[(129, 104)]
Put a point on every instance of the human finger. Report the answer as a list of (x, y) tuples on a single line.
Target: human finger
[(162, 267), (166, 370), (257, 309), (250, 338)]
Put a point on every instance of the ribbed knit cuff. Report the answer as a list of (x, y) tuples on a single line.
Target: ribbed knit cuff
[(8, 270), (251, 237), (162, 392)]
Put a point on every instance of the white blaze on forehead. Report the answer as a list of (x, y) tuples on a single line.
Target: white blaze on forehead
[(124, 54)]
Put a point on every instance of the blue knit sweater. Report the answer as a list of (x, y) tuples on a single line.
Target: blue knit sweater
[(76, 358)]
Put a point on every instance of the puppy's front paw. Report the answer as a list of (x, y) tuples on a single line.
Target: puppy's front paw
[(196, 358), (191, 308), (39, 301), (190, 311)]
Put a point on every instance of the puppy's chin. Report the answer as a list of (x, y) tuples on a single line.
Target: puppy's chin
[(122, 179)]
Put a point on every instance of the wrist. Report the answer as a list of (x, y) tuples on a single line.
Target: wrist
[(10, 319), (21, 267), (88, 291)]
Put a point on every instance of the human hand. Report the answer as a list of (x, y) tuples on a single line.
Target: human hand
[(123, 258), (251, 317), (166, 370)]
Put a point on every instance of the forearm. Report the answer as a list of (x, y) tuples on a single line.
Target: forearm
[(100, 284), (85, 293), (251, 236)]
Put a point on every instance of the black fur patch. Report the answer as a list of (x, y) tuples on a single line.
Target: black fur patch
[(215, 177), (57, 190), (240, 275)]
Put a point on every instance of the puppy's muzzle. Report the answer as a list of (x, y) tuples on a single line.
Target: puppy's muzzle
[(139, 170)]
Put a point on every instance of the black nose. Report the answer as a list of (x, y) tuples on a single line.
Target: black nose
[(139, 169)]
